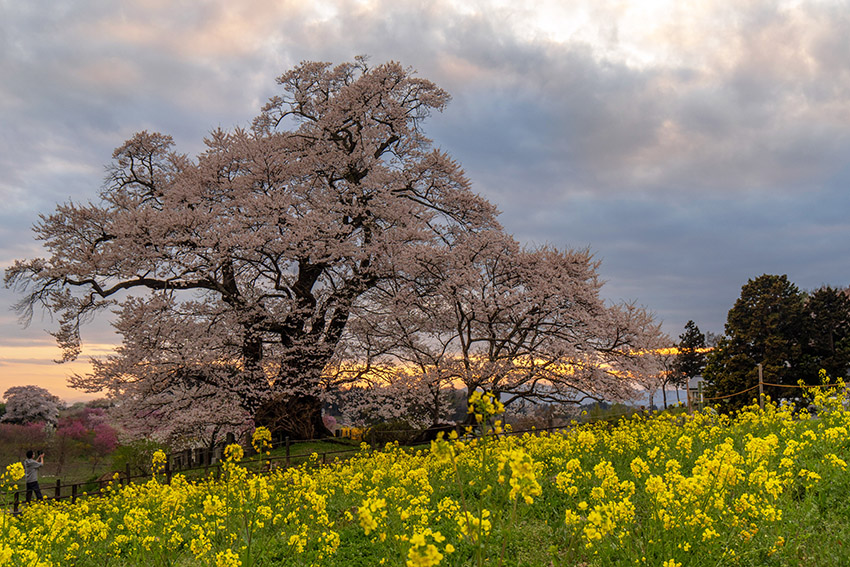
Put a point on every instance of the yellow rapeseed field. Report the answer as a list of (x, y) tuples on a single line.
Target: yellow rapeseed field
[(759, 488)]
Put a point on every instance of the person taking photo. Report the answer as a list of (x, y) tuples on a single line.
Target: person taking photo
[(31, 467)]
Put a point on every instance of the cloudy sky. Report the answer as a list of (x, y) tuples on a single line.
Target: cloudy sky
[(690, 145)]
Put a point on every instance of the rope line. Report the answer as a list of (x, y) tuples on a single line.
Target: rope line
[(730, 395), (798, 386), (774, 385)]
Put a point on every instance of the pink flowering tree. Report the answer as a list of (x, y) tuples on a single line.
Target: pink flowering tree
[(238, 269), (86, 432), (183, 394), (31, 404)]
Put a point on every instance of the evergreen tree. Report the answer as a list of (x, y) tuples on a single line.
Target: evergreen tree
[(827, 331), (765, 326), (690, 359)]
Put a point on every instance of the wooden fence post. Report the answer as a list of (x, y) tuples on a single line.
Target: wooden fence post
[(58, 488), (127, 474), (73, 494), (761, 388), (17, 503)]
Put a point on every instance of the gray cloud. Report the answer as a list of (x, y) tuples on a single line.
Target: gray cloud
[(691, 149)]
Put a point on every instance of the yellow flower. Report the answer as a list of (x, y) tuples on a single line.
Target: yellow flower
[(213, 506), (422, 553), (6, 553), (15, 472), (227, 558), (639, 467), (233, 452), (474, 527), (158, 460), (523, 482), (441, 449), (200, 546), (369, 509), (261, 440), (484, 405)]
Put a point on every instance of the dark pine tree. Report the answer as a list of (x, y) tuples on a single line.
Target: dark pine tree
[(826, 324), (765, 326), (690, 359)]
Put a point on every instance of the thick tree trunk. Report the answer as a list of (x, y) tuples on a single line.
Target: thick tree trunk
[(296, 417)]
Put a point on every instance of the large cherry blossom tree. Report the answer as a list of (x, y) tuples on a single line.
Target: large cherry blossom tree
[(238, 269), (250, 276)]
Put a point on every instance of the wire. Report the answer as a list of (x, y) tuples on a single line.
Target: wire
[(730, 395)]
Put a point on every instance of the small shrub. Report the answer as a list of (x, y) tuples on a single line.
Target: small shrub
[(394, 431), (137, 455)]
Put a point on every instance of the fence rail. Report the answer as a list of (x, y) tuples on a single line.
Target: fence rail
[(203, 460)]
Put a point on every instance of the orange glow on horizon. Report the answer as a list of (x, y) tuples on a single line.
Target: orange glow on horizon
[(33, 364)]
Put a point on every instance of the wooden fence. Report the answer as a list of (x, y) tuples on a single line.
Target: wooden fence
[(203, 459)]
